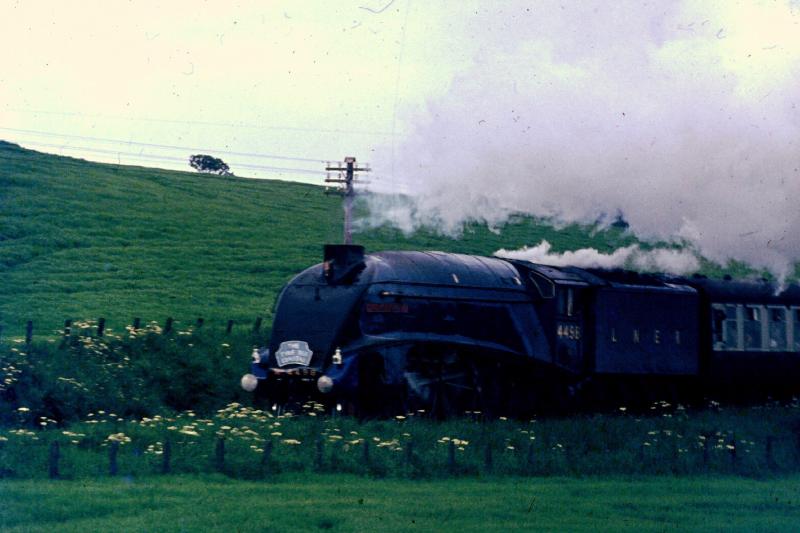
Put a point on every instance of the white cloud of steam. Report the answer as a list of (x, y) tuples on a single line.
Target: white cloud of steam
[(631, 257), (683, 116)]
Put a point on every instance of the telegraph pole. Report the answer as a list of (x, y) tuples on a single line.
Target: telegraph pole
[(345, 179)]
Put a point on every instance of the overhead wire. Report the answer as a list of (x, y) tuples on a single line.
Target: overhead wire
[(164, 146), (165, 158)]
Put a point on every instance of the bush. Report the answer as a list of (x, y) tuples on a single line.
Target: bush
[(138, 373)]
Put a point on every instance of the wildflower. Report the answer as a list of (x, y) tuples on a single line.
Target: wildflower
[(400, 417), (292, 442), (23, 410), (118, 437)]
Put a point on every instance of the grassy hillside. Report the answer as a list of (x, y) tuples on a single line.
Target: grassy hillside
[(83, 240)]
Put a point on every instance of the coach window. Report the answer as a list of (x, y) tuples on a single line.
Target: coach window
[(718, 325), (778, 328), (725, 326), (794, 329), (753, 318)]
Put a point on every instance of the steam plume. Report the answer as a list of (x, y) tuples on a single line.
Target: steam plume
[(632, 257), (682, 116)]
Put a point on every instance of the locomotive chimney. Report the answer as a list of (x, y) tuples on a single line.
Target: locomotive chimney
[(342, 262)]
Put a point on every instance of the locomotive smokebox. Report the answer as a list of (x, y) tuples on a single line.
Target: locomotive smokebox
[(342, 262)]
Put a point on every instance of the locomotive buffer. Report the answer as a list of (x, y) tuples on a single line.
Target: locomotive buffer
[(345, 178)]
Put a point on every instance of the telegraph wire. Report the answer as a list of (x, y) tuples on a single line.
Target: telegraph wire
[(166, 146), (165, 158)]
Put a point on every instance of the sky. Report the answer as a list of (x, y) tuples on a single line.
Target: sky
[(683, 116), (309, 80)]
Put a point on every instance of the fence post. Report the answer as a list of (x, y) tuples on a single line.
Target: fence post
[(257, 325), (167, 325), (68, 327), (55, 455), (29, 332), (1, 331), (267, 455), (136, 323), (101, 326), (705, 449), (768, 452), (200, 322), (488, 460), (229, 327), (219, 455), (319, 458), (410, 454), (797, 439), (113, 450), (365, 451), (166, 455), (451, 456), (531, 457)]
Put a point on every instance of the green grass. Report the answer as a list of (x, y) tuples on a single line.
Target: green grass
[(82, 240), (345, 503)]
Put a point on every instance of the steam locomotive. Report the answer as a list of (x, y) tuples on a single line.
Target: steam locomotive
[(444, 333)]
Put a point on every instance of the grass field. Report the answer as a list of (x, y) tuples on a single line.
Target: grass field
[(82, 240), (345, 503)]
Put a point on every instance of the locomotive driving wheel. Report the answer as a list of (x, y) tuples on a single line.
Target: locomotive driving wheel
[(443, 383)]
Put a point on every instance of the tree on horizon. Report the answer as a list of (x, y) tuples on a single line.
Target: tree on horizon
[(209, 165)]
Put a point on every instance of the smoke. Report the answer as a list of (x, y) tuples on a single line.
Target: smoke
[(631, 257), (682, 116)]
